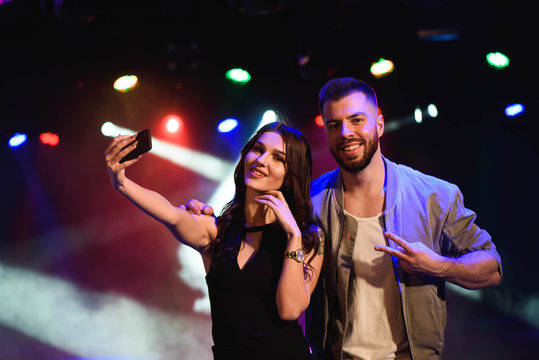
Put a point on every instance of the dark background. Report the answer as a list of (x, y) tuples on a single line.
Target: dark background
[(62, 220)]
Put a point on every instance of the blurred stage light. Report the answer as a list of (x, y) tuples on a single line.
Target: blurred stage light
[(126, 83), (303, 60), (514, 110), (497, 60), (227, 125), (226, 189), (109, 129), (173, 123), (268, 117), (382, 68), (432, 110), (439, 34), (49, 138), (112, 130), (17, 140), (206, 165), (418, 115), (238, 76), (110, 326), (319, 121)]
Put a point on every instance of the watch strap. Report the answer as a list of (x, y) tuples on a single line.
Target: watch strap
[(296, 255)]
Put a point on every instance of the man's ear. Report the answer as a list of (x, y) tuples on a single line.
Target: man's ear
[(380, 123)]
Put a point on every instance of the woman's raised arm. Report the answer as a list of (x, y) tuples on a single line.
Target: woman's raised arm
[(196, 231)]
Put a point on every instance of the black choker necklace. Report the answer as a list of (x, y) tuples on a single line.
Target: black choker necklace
[(258, 228)]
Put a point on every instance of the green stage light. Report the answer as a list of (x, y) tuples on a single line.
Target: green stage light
[(238, 75), (497, 60)]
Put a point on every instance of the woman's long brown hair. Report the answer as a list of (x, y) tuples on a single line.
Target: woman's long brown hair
[(296, 190)]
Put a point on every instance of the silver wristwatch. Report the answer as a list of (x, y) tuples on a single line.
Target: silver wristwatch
[(297, 255)]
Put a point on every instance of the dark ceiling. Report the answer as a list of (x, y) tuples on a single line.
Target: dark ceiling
[(58, 47)]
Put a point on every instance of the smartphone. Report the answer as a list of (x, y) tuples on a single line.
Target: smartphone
[(144, 144)]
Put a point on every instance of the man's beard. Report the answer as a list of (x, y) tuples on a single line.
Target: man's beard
[(357, 165)]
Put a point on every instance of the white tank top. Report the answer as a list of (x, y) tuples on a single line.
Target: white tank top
[(375, 327)]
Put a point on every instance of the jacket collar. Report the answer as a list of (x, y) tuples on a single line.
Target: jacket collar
[(392, 185)]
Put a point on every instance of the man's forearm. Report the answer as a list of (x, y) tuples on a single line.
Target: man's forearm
[(474, 270)]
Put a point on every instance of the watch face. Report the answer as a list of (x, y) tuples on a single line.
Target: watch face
[(300, 255)]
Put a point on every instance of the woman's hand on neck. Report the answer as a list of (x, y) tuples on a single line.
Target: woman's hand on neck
[(255, 213)]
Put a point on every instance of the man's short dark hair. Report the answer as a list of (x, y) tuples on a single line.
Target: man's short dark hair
[(338, 88)]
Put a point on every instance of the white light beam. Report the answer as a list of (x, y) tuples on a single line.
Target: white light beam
[(206, 165)]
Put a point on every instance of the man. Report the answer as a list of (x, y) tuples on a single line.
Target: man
[(393, 237)]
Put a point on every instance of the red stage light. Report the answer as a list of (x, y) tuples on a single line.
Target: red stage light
[(48, 138), (173, 123), (319, 121)]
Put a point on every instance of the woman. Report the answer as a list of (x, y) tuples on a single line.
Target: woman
[(262, 255)]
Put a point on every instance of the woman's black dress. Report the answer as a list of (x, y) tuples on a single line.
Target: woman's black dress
[(245, 319)]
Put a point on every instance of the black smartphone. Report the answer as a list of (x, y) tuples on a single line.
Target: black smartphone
[(144, 144)]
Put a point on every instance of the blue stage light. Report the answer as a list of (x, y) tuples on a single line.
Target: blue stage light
[(227, 125), (17, 140), (514, 110)]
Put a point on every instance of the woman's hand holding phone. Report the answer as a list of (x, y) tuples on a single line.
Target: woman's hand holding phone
[(124, 151), (143, 144)]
